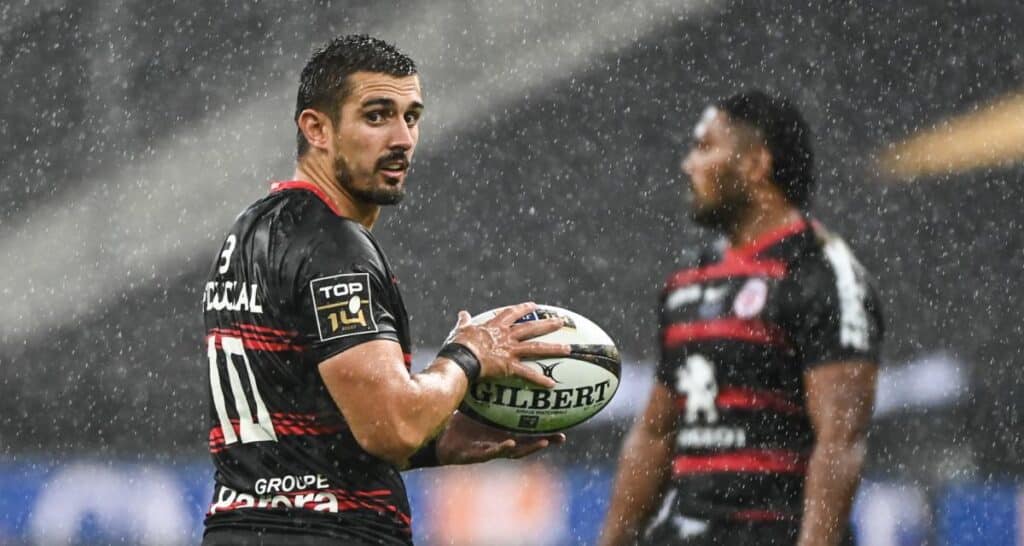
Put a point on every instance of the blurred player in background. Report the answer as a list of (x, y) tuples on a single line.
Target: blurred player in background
[(755, 430), (313, 407)]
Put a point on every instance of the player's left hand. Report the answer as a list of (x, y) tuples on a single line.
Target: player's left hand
[(465, 441)]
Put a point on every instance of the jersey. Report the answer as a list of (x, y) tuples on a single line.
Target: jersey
[(293, 284), (737, 333)]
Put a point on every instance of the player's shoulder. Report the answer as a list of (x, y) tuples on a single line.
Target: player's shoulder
[(691, 260), (825, 255), (299, 216)]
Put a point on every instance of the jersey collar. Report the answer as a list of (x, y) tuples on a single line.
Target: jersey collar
[(768, 239), (308, 186)]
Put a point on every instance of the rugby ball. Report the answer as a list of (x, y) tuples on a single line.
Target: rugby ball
[(585, 380)]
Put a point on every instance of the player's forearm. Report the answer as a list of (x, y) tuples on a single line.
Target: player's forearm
[(833, 474), (642, 470), (413, 418)]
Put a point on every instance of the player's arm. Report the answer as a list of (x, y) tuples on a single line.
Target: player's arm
[(392, 413), (642, 470), (840, 400)]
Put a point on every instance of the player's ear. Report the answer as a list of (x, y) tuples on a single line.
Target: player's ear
[(760, 164), (316, 127)]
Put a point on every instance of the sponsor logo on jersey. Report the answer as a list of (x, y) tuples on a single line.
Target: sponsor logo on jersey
[(712, 302), (287, 484), (318, 500), (751, 299), (232, 296), (696, 380), (683, 296), (343, 305)]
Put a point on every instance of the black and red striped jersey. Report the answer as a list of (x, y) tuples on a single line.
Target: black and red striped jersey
[(293, 284), (737, 333)]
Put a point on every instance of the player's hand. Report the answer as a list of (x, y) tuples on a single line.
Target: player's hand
[(465, 441), (500, 343)]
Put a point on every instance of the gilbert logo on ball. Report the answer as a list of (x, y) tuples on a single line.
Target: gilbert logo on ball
[(585, 380)]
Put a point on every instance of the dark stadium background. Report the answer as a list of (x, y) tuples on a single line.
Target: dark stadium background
[(548, 170)]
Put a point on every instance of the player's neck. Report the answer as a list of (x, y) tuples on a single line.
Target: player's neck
[(761, 218), (323, 178)]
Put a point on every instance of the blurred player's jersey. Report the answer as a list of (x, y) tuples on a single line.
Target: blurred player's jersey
[(293, 284), (737, 334)]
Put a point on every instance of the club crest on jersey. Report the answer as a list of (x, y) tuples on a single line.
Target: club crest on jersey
[(751, 298), (343, 305)]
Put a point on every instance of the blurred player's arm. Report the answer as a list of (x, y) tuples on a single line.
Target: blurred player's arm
[(840, 400), (393, 413), (643, 468)]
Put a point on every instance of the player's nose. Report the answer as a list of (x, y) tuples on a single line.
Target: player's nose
[(687, 165), (402, 137)]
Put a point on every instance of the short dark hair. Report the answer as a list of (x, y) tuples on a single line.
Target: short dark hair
[(786, 135), (323, 84)]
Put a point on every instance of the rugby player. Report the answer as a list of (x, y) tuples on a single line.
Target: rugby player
[(313, 407), (754, 433)]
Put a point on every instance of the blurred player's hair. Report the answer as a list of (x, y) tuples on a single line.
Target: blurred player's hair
[(323, 85), (785, 134)]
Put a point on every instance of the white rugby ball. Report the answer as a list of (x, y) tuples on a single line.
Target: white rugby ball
[(585, 380)]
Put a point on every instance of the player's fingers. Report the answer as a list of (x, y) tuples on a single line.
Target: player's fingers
[(495, 450), (526, 447), (533, 376), (513, 313), (462, 321), (534, 328), (541, 349), (556, 439)]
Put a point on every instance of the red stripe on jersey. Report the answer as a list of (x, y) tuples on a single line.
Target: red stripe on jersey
[(408, 359), (742, 398), (238, 333), (281, 428), (755, 247), (753, 460), (257, 345), (761, 515), (725, 269), (308, 186), (301, 417), (753, 331), (288, 334), (256, 342), (374, 493)]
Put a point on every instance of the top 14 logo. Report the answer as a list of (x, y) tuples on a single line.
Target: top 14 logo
[(343, 305)]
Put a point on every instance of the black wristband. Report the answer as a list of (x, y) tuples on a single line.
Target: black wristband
[(463, 357), (426, 456)]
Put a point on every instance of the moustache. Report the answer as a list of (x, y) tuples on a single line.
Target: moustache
[(397, 157)]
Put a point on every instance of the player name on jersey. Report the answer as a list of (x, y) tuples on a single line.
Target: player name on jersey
[(232, 296)]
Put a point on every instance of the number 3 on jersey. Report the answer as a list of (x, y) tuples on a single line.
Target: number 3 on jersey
[(249, 430)]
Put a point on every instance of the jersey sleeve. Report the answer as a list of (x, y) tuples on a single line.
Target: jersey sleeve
[(341, 294), (834, 311)]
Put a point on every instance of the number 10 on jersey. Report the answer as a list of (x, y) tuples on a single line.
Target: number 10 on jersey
[(260, 429)]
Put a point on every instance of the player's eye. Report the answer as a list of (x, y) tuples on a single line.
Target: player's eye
[(412, 118), (374, 116)]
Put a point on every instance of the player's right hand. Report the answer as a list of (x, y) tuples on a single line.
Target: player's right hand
[(500, 344)]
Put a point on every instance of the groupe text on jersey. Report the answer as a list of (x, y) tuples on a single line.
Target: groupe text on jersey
[(293, 284), (737, 333)]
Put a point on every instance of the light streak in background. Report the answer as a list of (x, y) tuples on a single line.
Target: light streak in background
[(990, 136), (158, 215)]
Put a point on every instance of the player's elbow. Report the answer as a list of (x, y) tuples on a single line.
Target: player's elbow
[(391, 441)]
